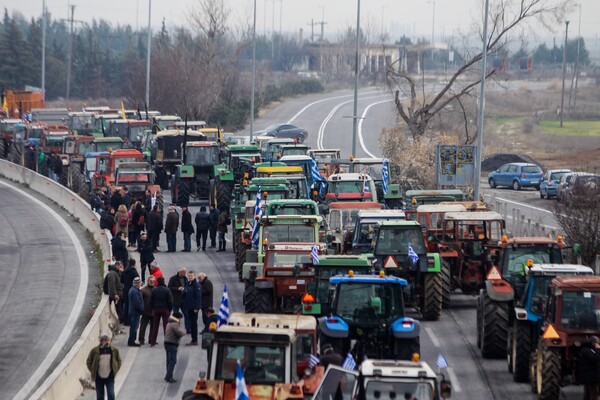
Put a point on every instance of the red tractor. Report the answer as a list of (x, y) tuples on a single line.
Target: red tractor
[(108, 162)]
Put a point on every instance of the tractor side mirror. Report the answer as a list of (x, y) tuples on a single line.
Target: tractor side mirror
[(577, 249), (445, 389)]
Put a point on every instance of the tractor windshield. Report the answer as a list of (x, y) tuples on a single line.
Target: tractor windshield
[(106, 146), (515, 257), (373, 170), (366, 303), (580, 310), (399, 389), (479, 230), (264, 364), (136, 133), (397, 241), (342, 218), (346, 187), (202, 155), (291, 151), (289, 233), (84, 147), (287, 258), (131, 177), (539, 293), (121, 160)]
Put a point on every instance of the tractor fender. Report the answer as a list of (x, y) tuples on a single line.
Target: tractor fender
[(334, 327), (252, 255), (434, 262), (406, 328), (246, 269), (499, 290), (263, 284)]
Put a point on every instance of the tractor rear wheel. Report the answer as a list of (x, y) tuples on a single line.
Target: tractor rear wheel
[(493, 327), (431, 298), (184, 189), (240, 251), (405, 348), (189, 395), (548, 373), (509, 352), (533, 372), (521, 351), (223, 195), (249, 298), (2, 148), (264, 301), (446, 274)]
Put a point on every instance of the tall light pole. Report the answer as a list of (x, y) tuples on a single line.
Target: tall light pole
[(148, 52), (44, 48), (70, 56), (432, 28), (280, 23), (480, 115), (383, 7), (356, 61), (253, 74), (564, 71), (576, 78), (273, 32)]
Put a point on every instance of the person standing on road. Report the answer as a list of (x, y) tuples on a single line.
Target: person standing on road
[(155, 227), (176, 285), (115, 289), (222, 228), (147, 315), (171, 227), (129, 274), (136, 309), (203, 224), (187, 228), (206, 287), (211, 320), (146, 254), (155, 270), (192, 304), (173, 334), (126, 198), (589, 368), (162, 304), (116, 200), (214, 221), (103, 362), (119, 248), (122, 219)]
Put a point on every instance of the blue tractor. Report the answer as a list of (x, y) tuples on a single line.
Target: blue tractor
[(367, 319)]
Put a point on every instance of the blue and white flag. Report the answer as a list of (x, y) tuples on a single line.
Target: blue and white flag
[(412, 254), (313, 361), (441, 362), (314, 254), (385, 175), (241, 391), (28, 116), (349, 362), (366, 187), (314, 172), (257, 214), (224, 308)]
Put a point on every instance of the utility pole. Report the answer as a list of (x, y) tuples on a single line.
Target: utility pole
[(564, 71), (70, 54), (273, 32), (576, 73), (322, 23), (44, 48), (480, 119), (312, 29), (148, 52), (280, 23), (356, 69), (253, 74)]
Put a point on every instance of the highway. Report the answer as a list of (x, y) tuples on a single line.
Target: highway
[(43, 290), (325, 116)]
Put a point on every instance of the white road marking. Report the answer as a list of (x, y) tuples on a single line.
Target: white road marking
[(78, 302), (125, 368), (521, 204), (360, 122), (433, 337), (455, 385)]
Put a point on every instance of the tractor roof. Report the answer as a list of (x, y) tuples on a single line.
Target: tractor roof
[(344, 261), (323, 151), (177, 133), (424, 193), (371, 205), (349, 177), (577, 283), (559, 269), (108, 139), (523, 240), (303, 158), (268, 180), (469, 205), (273, 321), (240, 333), (235, 148), (273, 140), (336, 280), (440, 208), (294, 145), (473, 216), (201, 144), (126, 153), (291, 203), (397, 369), (397, 223), (292, 219), (279, 169), (386, 213), (294, 246)]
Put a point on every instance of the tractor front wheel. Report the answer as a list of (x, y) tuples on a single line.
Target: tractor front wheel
[(493, 327), (548, 373), (431, 298), (521, 351), (264, 301), (446, 283), (250, 298)]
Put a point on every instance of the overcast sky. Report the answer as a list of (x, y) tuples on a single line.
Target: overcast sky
[(411, 17)]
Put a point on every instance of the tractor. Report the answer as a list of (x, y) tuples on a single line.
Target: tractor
[(350, 187), (137, 177), (570, 318), (504, 284), (107, 164), (415, 198), (526, 313), (341, 217), (130, 130), (360, 239), (368, 320), (400, 250)]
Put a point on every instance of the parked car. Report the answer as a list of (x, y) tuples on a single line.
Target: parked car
[(516, 175), (562, 184), (581, 186), (550, 182), (284, 131)]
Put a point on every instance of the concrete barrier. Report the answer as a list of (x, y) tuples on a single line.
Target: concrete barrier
[(66, 381)]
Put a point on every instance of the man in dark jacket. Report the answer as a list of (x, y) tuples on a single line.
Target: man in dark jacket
[(155, 227), (222, 227), (187, 228), (203, 224), (162, 304), (146, 251), (147, 315), (173, 334), (206, 287), (129, 274), (589, 368), (171, 227), (214, 221), (115, 289), (119, 248), (126, 198), (192, 303), (176, 285), (136, 309), (107, 221), (116, 200)]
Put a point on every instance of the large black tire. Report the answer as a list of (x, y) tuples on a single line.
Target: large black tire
[(189, 395), (64, 176), (250, 298), (240, 254), (492, 183), (15, 155), (431, 299), (80, 186), (446, 283), (521, 351), (533, 372), (548, 373), (405, 348), (223, 195), (493, 327), (264, 301), (509, 353), (2, 148), (184, 190)]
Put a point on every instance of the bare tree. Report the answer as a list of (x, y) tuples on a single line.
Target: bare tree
[(504, 17), (581, 223)]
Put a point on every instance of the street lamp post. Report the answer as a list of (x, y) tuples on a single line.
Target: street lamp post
[(148, 52), (480, 115), (44, 48), (253, 74), (564, 71), (432, 28), (356, 60)]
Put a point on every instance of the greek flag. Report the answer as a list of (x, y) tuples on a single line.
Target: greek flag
[(314, 171), (255, 227), (314, 254), (241, 391), (224, 308), (441, 362), (366, 188), (28, 116), (412, 254), (385, 175), (313, 361), (349, 362)]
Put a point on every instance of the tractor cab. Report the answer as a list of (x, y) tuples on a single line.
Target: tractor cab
[(431, 216), (364, 229), (341, 218), (350, 187), (107, 164), (293, 150), (272, 147)]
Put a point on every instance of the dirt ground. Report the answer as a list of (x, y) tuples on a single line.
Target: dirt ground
[(512, 126)]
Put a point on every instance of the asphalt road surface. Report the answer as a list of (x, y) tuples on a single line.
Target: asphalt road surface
[(42, 291)]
